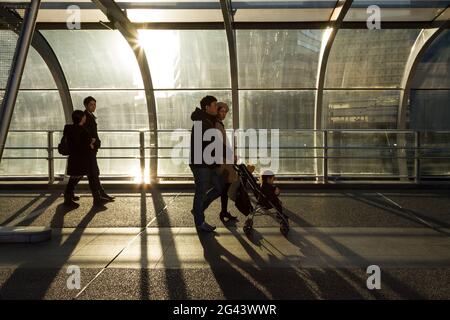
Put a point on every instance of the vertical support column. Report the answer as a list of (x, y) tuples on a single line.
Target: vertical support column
[(417, 155), (325, 156), (228, 19), (51, 160), (17, 67)]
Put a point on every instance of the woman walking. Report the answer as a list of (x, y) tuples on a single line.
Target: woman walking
[(226, 169), (81, 147)]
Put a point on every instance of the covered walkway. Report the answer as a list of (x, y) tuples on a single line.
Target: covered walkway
[(144, 246)]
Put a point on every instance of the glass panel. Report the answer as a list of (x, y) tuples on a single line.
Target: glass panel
[(36, 74), (294, 154), (128, 144), (352, 109), (369, 58), (397, 10), (8, 41), (429, 110), (278, 58), (173, 155), (369, 153), (187, 59), (38, 110), (95, 59), (34, 110), (174, 15), (276, 109), (64, 15), (281, 10), (280, 15), (435, 154), (433, 71), (174, 108), (119, 168), (117, 110), (25, 167)]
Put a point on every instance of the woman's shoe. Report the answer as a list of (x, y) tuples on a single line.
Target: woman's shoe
[(227, 215)]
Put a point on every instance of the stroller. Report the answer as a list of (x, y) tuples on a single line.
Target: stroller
[(238, 193)]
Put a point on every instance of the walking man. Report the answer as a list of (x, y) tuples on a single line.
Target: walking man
[(91, 127), (208, 183), (81, 145)]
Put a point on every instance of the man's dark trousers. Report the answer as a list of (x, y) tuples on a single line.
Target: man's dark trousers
[(93, 178), (208, 187)]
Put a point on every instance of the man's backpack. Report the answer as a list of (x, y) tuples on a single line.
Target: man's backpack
[(63, 147)]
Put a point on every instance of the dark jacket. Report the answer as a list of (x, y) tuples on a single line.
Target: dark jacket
[(208, 122), (78, 141), (91, 128)]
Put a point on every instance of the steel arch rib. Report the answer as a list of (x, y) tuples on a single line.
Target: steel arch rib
[(43, 48), (420, 47), (131, 35), (231, 39), (336, 21)]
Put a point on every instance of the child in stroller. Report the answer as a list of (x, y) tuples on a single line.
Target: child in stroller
[(266, 195), (269, 192)]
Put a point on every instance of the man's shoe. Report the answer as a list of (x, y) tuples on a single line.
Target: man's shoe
[(206, 227), (105, 200), (71, 203), (99, 207), (100, 201), (108, 197)]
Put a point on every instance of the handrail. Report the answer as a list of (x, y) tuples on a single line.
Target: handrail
[(411, 152)]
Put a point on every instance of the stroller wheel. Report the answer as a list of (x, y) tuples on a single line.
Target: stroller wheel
[(248, 226), (247, 230), (284, 229), (248, 223)]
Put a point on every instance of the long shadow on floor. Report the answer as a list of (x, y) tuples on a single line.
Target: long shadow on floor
[(40, 209), (419, 218), (176, 285), (400, 288), (25, 207), (27, 282), (144, 276), (261, 279)]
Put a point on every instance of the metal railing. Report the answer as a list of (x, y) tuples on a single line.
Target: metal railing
[(329, 152)]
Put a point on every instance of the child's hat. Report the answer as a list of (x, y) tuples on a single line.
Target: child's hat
[(267, 172)]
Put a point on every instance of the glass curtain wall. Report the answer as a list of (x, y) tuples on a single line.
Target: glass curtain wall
[(429, 106), (362, 91), (277, 75), (38, 107), (277, 79), (100, 63), (186, 65)]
